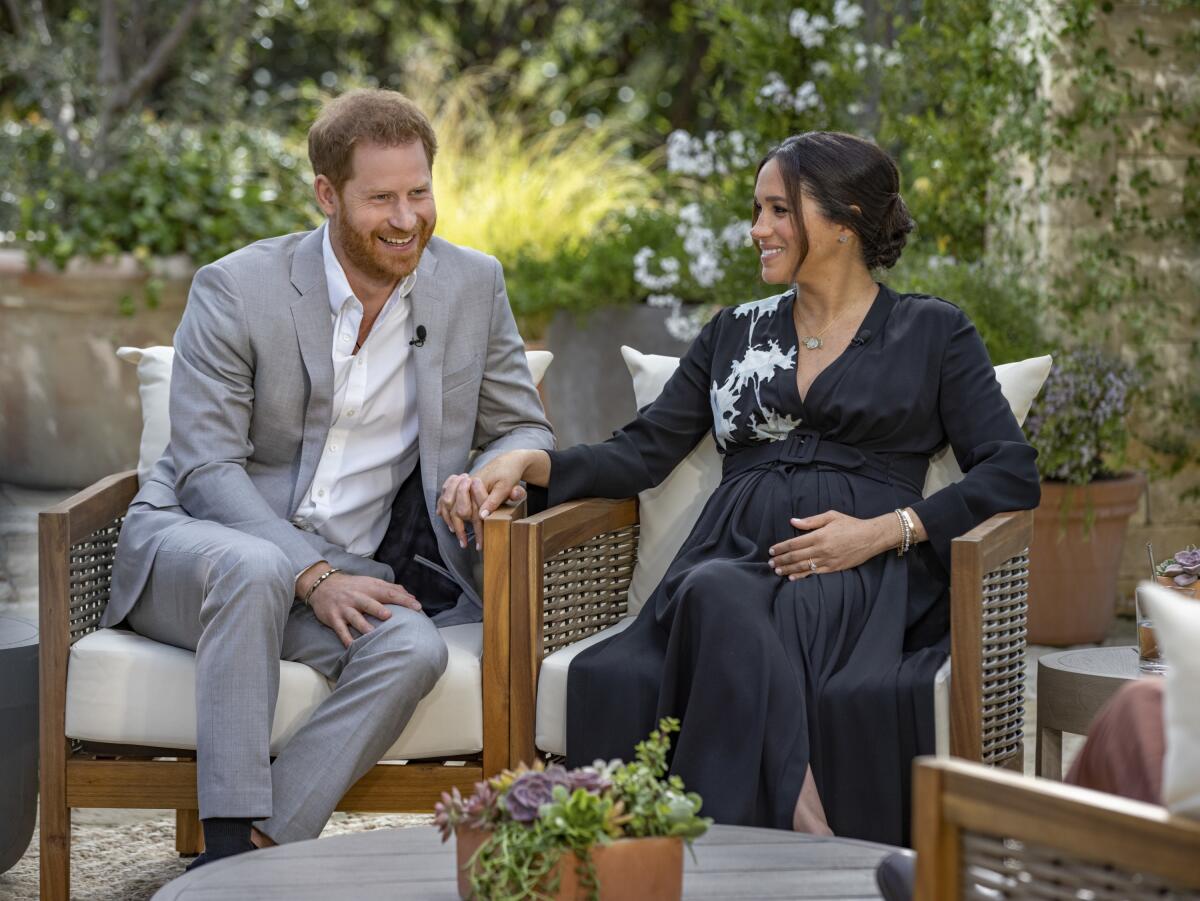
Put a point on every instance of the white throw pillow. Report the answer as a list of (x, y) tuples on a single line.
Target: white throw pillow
[(154, 388), (1176, 622), (669, 512)]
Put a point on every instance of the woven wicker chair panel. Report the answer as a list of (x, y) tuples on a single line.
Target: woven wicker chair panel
[(996, 868), (585, 588), (91, 577), (1005, 607)]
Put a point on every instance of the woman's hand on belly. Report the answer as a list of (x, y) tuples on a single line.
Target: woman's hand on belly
[(832, 542)]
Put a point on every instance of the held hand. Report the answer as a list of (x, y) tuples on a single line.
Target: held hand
[(462, 499), (342, 602), (831, 542)]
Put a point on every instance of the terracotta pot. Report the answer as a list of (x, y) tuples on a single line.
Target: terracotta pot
[(650, 869), (1078, 532)]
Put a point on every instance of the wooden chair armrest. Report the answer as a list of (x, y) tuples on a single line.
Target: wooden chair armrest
[(991, 827), (989, 581), (571, 568)]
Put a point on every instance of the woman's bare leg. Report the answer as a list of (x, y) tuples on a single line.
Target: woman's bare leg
[(810, 813)]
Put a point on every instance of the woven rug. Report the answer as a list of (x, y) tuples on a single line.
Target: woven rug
[(130, 862)]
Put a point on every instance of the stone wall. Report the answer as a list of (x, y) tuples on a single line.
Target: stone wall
[(1140, 38)]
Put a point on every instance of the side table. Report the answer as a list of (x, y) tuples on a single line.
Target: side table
[(1072, 686), (19, 728)]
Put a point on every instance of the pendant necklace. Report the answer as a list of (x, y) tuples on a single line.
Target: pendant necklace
[(815, 342)]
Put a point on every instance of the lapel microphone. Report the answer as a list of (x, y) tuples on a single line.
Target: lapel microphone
[(861, 338), (419, 341)]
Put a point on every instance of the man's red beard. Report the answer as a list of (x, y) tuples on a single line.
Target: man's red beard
[(368, 257)]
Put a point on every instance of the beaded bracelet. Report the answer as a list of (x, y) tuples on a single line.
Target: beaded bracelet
[(315, 585)]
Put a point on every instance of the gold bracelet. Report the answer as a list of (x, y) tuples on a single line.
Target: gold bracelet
[(903, 546), (910, 530), (315, 585)]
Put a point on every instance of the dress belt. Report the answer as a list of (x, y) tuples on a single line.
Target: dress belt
[(806, 447)]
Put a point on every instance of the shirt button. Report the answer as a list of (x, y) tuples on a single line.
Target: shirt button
[(320, 492), (349, 412), (358, 361), (333, 447)]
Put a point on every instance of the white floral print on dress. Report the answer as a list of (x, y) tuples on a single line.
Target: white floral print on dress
[(757, 366)]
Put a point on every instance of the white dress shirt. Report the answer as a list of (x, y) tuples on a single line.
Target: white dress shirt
[(372, 445)]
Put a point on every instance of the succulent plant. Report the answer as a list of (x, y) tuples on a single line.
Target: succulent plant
[(536, 814), (1183, 568)]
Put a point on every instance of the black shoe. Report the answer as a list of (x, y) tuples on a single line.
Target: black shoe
[(200, 860)]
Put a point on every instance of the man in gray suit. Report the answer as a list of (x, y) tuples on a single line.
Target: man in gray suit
[(326, 385)]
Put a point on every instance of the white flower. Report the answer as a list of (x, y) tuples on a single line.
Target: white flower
[(683, 326), (847, 14), (647, 279), (822, 68), (809, 30), (736, 235), (806, 97), (663, 301), (687, 155)]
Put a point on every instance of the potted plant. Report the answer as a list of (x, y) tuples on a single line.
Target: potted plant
[(1078, 425), (1180, 571), (609, 831)]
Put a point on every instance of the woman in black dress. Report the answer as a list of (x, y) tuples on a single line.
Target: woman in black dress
[(795, 643)]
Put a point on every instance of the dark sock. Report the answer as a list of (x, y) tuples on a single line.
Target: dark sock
[(226, 836)]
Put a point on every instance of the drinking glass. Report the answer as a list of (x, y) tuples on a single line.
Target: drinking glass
[(1150, 658)]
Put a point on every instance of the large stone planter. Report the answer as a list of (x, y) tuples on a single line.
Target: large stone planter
[(587, 390), (1078, 533), (69, 410)]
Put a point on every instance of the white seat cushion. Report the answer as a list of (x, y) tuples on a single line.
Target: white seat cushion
[(123, 688), (550, 731), (551, 726)]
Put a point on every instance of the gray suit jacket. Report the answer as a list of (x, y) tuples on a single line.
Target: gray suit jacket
[(252, 392)]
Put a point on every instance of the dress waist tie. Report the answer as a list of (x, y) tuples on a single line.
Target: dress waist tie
[(806, 447)]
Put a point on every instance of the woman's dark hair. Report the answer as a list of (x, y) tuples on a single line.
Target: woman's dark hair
[(841, 172)]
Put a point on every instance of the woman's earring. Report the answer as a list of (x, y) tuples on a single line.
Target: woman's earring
[(842, 239)]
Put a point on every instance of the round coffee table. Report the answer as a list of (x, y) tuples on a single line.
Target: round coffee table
[(397, 864), (19, 726), (1072, 686)]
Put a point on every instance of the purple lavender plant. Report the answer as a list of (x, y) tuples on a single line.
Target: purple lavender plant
[(531, 790), (1077, 423)]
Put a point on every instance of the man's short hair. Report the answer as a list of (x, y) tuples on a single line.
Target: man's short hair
[(373, 116)]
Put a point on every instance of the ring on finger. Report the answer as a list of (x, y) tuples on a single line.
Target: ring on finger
[(812, 566)]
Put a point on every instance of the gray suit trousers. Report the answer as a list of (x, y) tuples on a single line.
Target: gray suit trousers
[(229, 597)]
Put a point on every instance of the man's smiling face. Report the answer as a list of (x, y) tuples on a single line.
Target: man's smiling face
[(384, 215)]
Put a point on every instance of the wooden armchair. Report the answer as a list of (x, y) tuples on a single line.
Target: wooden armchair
[(77, 540), (573, 563), (979, 833)]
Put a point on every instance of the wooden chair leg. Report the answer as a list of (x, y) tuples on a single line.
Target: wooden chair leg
[(54, 841), (189, 837)]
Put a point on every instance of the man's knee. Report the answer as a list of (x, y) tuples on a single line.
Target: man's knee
[(416, 644), (254, 571)]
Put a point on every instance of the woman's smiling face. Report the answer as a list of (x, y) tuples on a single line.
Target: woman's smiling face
[(784, 249)]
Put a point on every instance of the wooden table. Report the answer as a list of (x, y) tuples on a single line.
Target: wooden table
[(397, 864), (1072, 686)]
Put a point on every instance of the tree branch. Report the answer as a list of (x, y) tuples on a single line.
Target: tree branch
[(110, 46), (152, 71), (14, 16)]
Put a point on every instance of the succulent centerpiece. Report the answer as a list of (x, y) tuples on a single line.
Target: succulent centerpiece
[(546, 832)]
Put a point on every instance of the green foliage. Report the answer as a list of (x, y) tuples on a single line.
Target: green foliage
[(201, 192), (1006, 310)]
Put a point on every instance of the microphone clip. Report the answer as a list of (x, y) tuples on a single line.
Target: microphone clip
[(419, 340)]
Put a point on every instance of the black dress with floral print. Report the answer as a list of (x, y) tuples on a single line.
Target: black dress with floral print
[(834, 671)]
